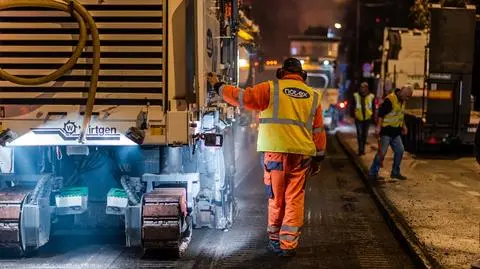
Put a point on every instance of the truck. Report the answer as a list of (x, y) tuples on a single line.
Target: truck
[(318, 55), (126, 136), (440, 113)]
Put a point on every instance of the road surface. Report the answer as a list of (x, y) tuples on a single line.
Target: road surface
[(343, 229)]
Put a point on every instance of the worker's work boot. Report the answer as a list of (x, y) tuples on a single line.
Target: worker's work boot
[(399, 177), (287, 253), (375, 178), (274, 245)]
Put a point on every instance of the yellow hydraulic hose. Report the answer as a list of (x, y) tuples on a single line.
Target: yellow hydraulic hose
[(83, 18)]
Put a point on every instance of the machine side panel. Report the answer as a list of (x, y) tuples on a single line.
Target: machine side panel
[(36, 42)]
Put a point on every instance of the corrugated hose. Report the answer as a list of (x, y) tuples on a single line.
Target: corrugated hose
[(132, 196), (83, 18)]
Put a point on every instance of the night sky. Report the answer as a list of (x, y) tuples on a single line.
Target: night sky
[(279, 18)]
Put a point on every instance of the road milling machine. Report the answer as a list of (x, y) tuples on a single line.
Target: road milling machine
[(107, 121)]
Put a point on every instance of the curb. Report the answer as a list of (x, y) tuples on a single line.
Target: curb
[(397, 224)]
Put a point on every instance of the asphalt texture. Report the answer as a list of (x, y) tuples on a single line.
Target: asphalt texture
[(343, 229), (437, 207)]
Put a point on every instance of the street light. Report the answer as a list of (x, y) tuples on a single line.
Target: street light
[(338, 26)]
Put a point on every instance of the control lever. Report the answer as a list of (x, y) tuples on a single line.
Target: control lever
[(211, 139)]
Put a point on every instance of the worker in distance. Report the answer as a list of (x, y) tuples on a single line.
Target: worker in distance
[(390, 127)]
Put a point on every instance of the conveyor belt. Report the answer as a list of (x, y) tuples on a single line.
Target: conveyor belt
[(164, 220), (10, 209)]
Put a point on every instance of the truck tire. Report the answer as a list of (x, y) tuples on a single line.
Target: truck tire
[(409, 139), (412, 132), (412, 139)]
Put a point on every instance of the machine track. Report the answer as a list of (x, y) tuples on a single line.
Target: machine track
[(10, 216), (165, 224)]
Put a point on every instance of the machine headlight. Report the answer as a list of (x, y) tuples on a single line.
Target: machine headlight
[(243, 63)]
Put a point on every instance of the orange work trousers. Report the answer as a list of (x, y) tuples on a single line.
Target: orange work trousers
[(284, 177)]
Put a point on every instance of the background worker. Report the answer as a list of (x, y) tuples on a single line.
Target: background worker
[(293, 141), (389, 128), (363, 105)]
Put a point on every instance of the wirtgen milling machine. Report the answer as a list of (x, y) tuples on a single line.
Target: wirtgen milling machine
[(123, 133)]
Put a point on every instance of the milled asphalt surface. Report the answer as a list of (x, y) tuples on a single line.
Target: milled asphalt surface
[(440, 201), (343, 229)]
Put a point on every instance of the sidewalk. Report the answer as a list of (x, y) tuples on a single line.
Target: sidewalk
[(437, 209)]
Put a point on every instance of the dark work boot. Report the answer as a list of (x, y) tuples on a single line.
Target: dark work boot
[(399, 177), (274, 245), (375, 178), (287, 253)]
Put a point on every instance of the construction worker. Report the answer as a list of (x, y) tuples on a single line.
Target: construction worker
[(363, 105), (292, 140), (390, 127)]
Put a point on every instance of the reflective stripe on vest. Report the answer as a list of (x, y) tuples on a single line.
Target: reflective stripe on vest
[(276, 106), (368, 106), (289, 130), (396, 117)]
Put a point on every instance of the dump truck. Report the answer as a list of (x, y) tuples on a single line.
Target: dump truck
[(439, 68), (124, 133)]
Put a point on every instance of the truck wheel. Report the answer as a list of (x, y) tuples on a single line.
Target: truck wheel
[(408, 139), (414, 134), (420, 145)]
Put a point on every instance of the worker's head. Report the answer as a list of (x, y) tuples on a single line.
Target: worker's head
[(364, 88), (405, 93), (291, 66)]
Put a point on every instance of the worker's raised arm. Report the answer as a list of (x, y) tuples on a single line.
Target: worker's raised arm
[(252, 98), (319, 133)]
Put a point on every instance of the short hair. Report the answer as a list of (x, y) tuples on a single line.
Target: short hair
[(407, 87), (364, 84)]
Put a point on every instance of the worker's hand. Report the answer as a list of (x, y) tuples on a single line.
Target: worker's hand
[(377, 131), (212, 79), (404, 130), (315, 169), (316, 165)]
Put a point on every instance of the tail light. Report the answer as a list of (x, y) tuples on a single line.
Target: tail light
[(343, 105), (432, 141)]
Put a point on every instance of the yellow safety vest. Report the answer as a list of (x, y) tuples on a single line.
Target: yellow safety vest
[(368, 106), (396, 117), (286, 126)]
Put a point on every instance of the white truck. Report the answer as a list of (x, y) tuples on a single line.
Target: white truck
[(403, 60), (151, 157)]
